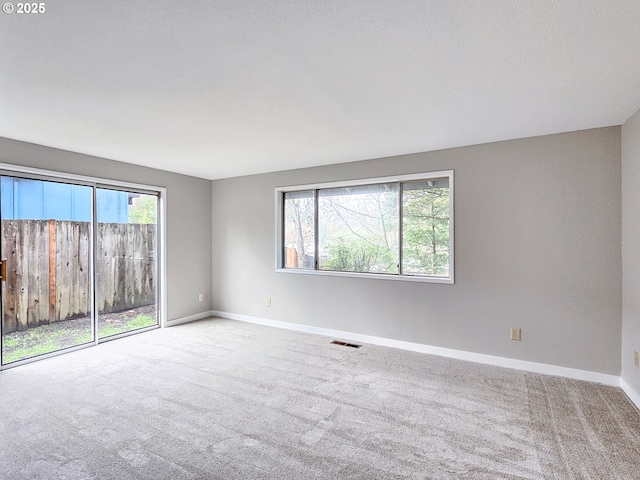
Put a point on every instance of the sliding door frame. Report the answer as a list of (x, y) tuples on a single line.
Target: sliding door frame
[(159, 252), (30, 173)]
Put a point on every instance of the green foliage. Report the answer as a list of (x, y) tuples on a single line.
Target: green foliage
[(144, 209), (359, 229), (426, 231), (358, 255), (139, 321), (364, 239)]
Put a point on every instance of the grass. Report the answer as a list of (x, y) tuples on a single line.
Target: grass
[(140, 321), (57, 336)]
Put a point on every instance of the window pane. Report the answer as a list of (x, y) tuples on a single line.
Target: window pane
[(358, 228), (126, 261), (299, 243), (45, 237), (425, 227)]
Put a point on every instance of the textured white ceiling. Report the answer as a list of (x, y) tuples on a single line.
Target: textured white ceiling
[(225, 88)]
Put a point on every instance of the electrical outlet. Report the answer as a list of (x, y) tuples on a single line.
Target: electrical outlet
[(636, 359), (516, 334), (201, 297), (268, 302)]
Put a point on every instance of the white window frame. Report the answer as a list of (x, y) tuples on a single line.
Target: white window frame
[(279, 209)]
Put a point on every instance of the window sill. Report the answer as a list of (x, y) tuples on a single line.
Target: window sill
[(377, 276)]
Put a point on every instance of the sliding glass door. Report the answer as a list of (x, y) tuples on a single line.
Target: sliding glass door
[(126, 261), (79, 265), (45, 243)]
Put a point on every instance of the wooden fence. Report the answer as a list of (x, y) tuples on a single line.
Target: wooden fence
[(48, 274)]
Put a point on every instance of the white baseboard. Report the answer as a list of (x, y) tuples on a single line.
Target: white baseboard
[(190, 318), (612, 380), (631, 393)]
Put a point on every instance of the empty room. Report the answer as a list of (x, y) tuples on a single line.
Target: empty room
[(316, 239)]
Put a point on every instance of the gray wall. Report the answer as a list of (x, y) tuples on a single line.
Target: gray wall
[(537, 244), (188, 215), (631, 249)]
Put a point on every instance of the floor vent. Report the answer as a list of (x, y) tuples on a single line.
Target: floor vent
[(345, 344)]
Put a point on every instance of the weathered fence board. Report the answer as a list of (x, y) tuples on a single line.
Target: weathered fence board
[(126, 276), (48, 274), (72, 283)]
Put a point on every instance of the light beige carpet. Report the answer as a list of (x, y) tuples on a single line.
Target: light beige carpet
[(224, 399)]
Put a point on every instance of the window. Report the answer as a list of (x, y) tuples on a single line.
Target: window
[(84, 258), (299, 244), (400, 227), (425, 227), (358, 228)]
